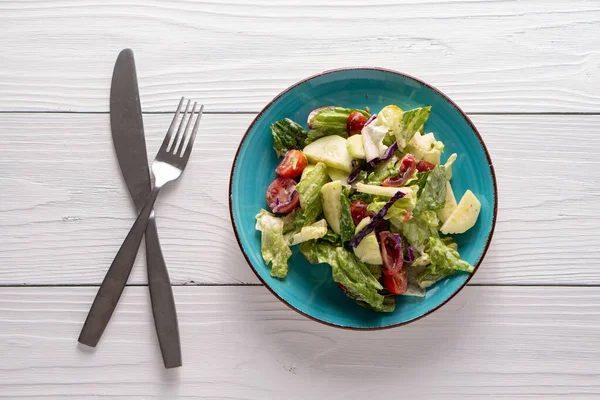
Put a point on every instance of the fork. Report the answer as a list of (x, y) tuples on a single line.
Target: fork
[(168, 166)]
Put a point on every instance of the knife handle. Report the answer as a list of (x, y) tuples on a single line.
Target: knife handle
[(116, 278), (161, 297)]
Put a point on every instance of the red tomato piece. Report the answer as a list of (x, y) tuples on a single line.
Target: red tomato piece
[(391, 252), (292, 165), (358, 210), (355, 122), (424, 166), (282, 195), (397, 283), (408, 164)]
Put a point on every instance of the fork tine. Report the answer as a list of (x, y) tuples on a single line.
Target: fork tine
[(178, 134), (188, 148), (169, 135), (185, 132)]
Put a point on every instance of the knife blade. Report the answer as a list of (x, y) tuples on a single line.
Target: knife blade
[(128, 138)]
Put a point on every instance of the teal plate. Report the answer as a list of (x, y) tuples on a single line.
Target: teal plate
[(308, 288)]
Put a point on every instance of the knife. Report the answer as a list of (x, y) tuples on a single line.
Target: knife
[(128, 138)]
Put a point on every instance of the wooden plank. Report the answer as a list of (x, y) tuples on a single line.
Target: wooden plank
[(241, 343), (488, 56), (64, 209)]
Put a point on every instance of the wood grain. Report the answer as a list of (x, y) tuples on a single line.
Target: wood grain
[(489, 56), (242, 343), (64, 209)]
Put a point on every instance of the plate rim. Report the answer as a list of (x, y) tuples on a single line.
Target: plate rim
[(453, 104)]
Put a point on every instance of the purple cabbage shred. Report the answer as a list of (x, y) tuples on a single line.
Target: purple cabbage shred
[(376, 220), (410, 254), (386, 156)]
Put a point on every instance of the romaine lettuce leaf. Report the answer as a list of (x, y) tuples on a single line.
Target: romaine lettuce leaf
[(446, 257), (421, 181), (331, 236), (430, 217), (431, 274), (412, 121), (310, 232), (346, 223), (330, 121), (417, 232), (349, 272), (384, 170), (287, 135), (309, 189), (433, 195), (274, 246), (399, 208)]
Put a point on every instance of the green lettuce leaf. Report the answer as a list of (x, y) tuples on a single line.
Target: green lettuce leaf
[(330, 121), (430, 218), (349, 272), (433, 195), (309, 189), (431, 274), (421, 181), (384, 170), (446, 257), (361, 196), (412, 121), (399, 209), (331, 236), (346, 223), (274, 246), (310, 232), (287, 135), (417, 232)]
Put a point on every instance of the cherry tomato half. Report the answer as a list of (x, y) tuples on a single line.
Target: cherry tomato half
[(391, 252), (408, 164), (397, 283), (282, 195), (355, 122), (292, 165), (424, 166), (358, 210)]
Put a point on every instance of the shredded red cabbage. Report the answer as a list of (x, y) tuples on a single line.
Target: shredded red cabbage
[(370, 119), (410, 254), (376, 220), (386, 156), (356, 168), (282, 205)]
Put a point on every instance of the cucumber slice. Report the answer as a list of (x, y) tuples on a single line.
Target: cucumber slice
[(337, 175), (449, 206), (464, 216), (330, 150), (382, 190), (332, 207), (368, 249), (355, 147)]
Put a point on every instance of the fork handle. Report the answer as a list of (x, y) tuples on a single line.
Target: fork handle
[(114, 282)]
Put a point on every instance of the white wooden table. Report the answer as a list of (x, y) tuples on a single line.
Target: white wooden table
[(527, 72)]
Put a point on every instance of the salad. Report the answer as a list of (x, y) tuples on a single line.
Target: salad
[(368, 195)]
